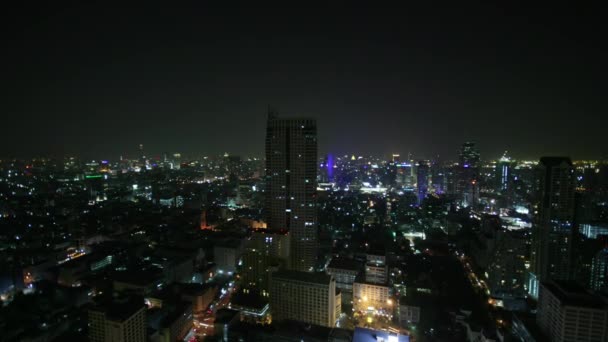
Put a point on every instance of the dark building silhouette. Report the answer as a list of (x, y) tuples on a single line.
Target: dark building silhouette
[(467, 185), (422, 180), (291, 182), (553, 231)]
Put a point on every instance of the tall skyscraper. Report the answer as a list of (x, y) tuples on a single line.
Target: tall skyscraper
[(503, 173), (553, 229), (467, 186), (438, 179), (422, 180), (469, 155), (142, 155), (599, 271), (291, 183)]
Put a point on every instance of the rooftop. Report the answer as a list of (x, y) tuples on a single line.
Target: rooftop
[(120, 310), (225, 316), (308, 277), (572, 294), (249, 300), (344, 264), (139, 277)]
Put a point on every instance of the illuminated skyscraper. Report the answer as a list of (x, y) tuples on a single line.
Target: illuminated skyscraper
[(599, 271), (291, 174), (468, 171), (553, 227), (469, 155), (422, 180), (504, 169), (142, 155)]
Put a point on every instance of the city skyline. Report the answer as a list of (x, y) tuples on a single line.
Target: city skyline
[(92, 81), (208, 172)]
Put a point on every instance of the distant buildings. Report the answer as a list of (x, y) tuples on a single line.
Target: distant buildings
[(291, 177), (467, 183), (566, 312), (599, 271), (422, 183), (304, 296), (504, 171)]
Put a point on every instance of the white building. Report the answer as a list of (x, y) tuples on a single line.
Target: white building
[(369, 296), (304, 296), (118, 322), (566, 312)]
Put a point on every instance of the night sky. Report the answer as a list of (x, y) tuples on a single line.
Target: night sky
[(95, 80)]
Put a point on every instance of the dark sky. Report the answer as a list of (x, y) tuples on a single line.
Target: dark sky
[(96, 80)]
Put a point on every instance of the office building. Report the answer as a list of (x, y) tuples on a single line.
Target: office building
[(291, 177), (376, 269), (371, 296), (566, 312), (422, 180), (438, 179), (227, 255), (553, 229), (265, 250), (599, 271), (504, 169), (592, 230), (118, 322), (467, 173), (344, 271), (304, 296)]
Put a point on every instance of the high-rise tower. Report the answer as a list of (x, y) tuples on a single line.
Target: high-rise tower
[(422, 180), (291, 183), (553, 230), (467, 186)]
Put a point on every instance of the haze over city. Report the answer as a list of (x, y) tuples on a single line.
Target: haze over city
[(96, 81)]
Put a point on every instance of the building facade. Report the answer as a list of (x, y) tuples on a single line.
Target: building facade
[(599, 271), (553, 230), (303, 296), (291, 182), (265, 250), (118, 322), (422, 180), (566, 312), (374, 297)]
